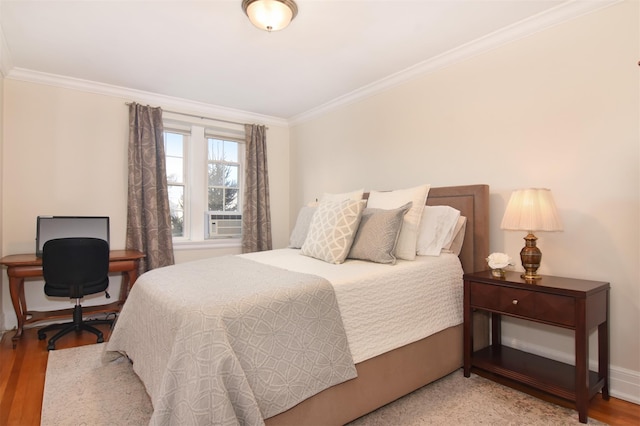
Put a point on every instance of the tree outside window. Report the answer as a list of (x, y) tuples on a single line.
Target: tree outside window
[(174, 145), (223, 186)]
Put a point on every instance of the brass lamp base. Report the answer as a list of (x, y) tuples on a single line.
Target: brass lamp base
[(530, 255)]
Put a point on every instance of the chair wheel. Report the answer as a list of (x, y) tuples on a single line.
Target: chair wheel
[(51, 346), (100, 339), (41, 336)]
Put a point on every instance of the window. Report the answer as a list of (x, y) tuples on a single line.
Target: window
[(223, 170), (204, 175), (174, 144)]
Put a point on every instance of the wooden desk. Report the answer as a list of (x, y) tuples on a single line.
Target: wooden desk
[(21, 266)]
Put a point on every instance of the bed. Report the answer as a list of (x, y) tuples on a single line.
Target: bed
[(345, 378)]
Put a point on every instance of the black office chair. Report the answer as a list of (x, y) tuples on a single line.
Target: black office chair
[(75, 267)]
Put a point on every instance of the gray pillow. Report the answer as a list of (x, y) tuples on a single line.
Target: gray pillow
[(301, 229), (378, 233)]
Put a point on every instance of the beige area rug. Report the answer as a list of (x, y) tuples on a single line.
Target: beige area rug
[(82, 389)]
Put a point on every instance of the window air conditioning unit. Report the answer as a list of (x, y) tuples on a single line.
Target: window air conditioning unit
[(224, 225)]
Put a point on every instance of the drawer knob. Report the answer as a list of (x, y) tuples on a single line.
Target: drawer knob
[(514, 301)]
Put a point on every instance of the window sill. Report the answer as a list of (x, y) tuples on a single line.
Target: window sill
[(207, 244)]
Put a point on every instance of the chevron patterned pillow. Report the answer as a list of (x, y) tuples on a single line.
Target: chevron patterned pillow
[(332, 229)]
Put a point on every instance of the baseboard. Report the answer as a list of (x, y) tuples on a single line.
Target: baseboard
[(8, 321), (623, 383)]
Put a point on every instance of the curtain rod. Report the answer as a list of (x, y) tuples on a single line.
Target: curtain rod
[(199, 116), (203, 118)]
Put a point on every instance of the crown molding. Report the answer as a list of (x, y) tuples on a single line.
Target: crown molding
[(557, 15), (513, 32), (139, 96)]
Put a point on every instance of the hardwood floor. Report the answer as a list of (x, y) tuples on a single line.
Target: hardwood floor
[(22, 373), (613, 412)]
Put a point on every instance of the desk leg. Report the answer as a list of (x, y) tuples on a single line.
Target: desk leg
[(133, 274), (128, 279), (124, 288), (16, 290)]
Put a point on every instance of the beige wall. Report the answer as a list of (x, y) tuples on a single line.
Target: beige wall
[(558, 109), (65, 153)]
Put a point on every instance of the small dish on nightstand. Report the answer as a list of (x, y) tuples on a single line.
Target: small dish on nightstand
[(498, 272)]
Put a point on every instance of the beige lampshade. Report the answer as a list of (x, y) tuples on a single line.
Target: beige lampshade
[(270, 15), (531, 209)]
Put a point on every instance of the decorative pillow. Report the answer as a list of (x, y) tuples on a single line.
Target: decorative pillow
[(455, 245), (436, 228), (378, 234), (406, 247), (332, 229), (353, 195), (301, 229)]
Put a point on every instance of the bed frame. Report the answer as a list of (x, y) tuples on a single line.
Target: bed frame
[(389, 376)]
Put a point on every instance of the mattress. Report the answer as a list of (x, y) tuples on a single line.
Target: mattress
[(384, 307)]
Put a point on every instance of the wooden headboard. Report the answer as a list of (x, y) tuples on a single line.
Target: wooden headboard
[(473, 203)]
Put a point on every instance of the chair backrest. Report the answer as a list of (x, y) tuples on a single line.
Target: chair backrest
[(73, 267)]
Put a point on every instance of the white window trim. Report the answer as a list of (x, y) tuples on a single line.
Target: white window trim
[(186, 132), (196, 182)]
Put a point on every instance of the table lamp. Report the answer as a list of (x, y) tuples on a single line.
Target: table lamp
[(530, 210)]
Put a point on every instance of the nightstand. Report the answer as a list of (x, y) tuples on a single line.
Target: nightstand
[(578, 305)]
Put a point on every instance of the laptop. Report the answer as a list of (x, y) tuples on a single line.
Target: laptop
[(51, 227)]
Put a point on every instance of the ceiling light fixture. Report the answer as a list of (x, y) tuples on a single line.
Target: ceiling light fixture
[(270, 15)]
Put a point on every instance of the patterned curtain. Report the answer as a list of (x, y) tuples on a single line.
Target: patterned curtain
[(148, 215), (256, 215)]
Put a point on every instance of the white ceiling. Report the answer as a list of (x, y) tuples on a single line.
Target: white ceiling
[(208, 51)]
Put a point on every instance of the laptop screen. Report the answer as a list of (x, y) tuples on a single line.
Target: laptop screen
[(50, 227)]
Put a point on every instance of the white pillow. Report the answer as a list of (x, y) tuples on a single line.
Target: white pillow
[(301, 229), (353, 195), (407, 241), (436, 229), (455, 245), (332, 229)]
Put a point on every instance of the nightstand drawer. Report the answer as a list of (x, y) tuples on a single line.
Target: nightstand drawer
[(556, 309), (524, 303), (503, 299)]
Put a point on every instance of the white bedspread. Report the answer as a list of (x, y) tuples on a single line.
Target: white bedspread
[(384, 307)]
